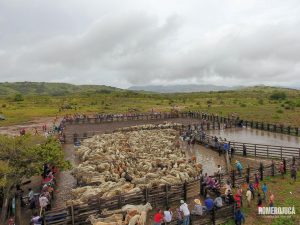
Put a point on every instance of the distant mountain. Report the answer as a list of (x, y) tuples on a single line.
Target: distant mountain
[(182, 88), (55, 89)]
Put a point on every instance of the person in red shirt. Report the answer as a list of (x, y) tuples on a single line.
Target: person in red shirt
[(158, 217)]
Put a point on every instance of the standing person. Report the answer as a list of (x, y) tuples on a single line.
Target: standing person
[(219, 169), (179, 217), (256, 184), (259, 200), (237, 199), (240, 193), (239, 167), (158, 217), (244, 150), (36, 219), (232, 152), (218, 202), (198, 208), (281, 170), (265, 190), (251, 188), (209, 203), (185, 211), (249, 197), (239, 217), (271, 201), (293, 173), (168, 215)]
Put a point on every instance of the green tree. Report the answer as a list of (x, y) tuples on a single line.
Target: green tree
[(23, 157), (278, 95), (18, 97)]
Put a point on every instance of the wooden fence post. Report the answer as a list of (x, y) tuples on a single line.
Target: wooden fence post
[(72, 214), (273, 169), (281, 152), (248, 175), (201, 186), (255, 150), (284, 166), (99, 204), (167, 195), (293, 160), (146, 193), (213, 216), (261, 171), (267, 151), (120, 201), (233, 177), (185, 191)]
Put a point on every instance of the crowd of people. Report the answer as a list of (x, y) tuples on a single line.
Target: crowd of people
[(41, 201), (182, 213)]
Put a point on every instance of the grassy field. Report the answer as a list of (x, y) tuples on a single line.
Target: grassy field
[(286, 194), (250, 103)]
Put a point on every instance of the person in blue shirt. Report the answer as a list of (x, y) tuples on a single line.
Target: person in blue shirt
[(251, 188), (239, 217), (239, 167), (265, 190), (209, 203)]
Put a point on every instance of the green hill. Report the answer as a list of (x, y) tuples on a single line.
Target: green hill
[(53, 89)]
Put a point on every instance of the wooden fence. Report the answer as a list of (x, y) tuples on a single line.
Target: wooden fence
[(233, 121), (165, 195), (160, 196), (252, 149)]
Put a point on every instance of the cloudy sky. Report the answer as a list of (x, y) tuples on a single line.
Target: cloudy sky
[(138, 42)]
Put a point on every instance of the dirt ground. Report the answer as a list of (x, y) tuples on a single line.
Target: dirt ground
[(29, 126)]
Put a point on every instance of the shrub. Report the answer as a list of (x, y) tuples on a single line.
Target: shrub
[(278, 95), (279, 111), (243, 105), (18, 97), (260, 101)]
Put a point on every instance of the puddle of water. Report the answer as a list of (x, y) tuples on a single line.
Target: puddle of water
[(207, 157), (249, 135)]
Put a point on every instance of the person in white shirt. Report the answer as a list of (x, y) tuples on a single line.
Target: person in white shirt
[(185, 211), (249, 196), (168, 215), (43, 200)]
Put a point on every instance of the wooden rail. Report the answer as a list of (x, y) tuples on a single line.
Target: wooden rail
[(163, 196), (104, 118)]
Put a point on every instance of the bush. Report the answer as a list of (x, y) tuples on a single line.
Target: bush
[(279, 111), (278, 95), (243, 105), (18, 97), (260, 101)]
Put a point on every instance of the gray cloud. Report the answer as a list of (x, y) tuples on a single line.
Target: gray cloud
[(140, 46)]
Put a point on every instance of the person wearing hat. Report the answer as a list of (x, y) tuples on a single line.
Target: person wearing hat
[(185, 211), (198, 208)]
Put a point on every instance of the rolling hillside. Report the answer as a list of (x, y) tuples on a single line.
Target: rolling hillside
[(53, 89)]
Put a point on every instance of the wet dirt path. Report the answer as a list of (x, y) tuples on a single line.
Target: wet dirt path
[(65, 179)]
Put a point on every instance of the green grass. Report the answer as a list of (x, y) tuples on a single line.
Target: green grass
[(250, 103), (281, 189)]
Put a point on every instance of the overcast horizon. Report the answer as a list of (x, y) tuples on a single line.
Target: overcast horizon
[(227, 43)]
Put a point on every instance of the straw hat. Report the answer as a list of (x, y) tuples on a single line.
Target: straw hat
[(236, 161), (197, 201), (181, 201)]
